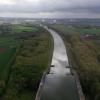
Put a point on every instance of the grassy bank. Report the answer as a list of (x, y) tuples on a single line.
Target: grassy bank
[(32, 60)]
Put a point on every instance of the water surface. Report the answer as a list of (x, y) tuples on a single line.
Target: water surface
[(60, 58), (59, 84)]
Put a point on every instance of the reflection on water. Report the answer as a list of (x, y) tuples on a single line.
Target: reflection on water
[(59, 88), (60, 59), (59, 84)]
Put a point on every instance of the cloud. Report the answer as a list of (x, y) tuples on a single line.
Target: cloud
[(51, 7)]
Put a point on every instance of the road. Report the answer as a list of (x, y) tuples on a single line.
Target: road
[(59, 83)]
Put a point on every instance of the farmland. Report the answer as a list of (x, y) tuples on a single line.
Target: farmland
[(7, 50), (25, 53), (5, 55), (84, 56), (92, 31), (24, 28)]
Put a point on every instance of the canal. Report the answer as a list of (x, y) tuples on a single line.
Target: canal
[(59, 84)]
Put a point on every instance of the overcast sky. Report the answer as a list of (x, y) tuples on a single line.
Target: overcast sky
[(50, 8)]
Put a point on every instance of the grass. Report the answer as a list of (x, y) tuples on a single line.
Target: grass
[(92, 31), (5, 58), (7, 49), (8, 41), (27, 70), (64, 29), (21, 28), (26, 95), (23, 61)]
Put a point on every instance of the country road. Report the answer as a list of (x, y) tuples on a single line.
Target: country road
[(59, 84)]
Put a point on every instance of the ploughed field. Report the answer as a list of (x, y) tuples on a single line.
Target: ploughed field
[(25, 53)]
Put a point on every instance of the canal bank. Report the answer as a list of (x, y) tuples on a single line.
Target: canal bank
[(59, 83)]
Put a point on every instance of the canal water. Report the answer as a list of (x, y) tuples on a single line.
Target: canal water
[(59, 84), (60, 60)]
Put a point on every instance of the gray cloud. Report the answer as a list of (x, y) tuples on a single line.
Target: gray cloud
[(51, 8)]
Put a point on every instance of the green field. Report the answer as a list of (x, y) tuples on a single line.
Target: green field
[(8, 41), (7, 49), (92, 31), (22, 28), (28, 68), (82, 31), (29, 63), (5, 57), (63, 29)]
